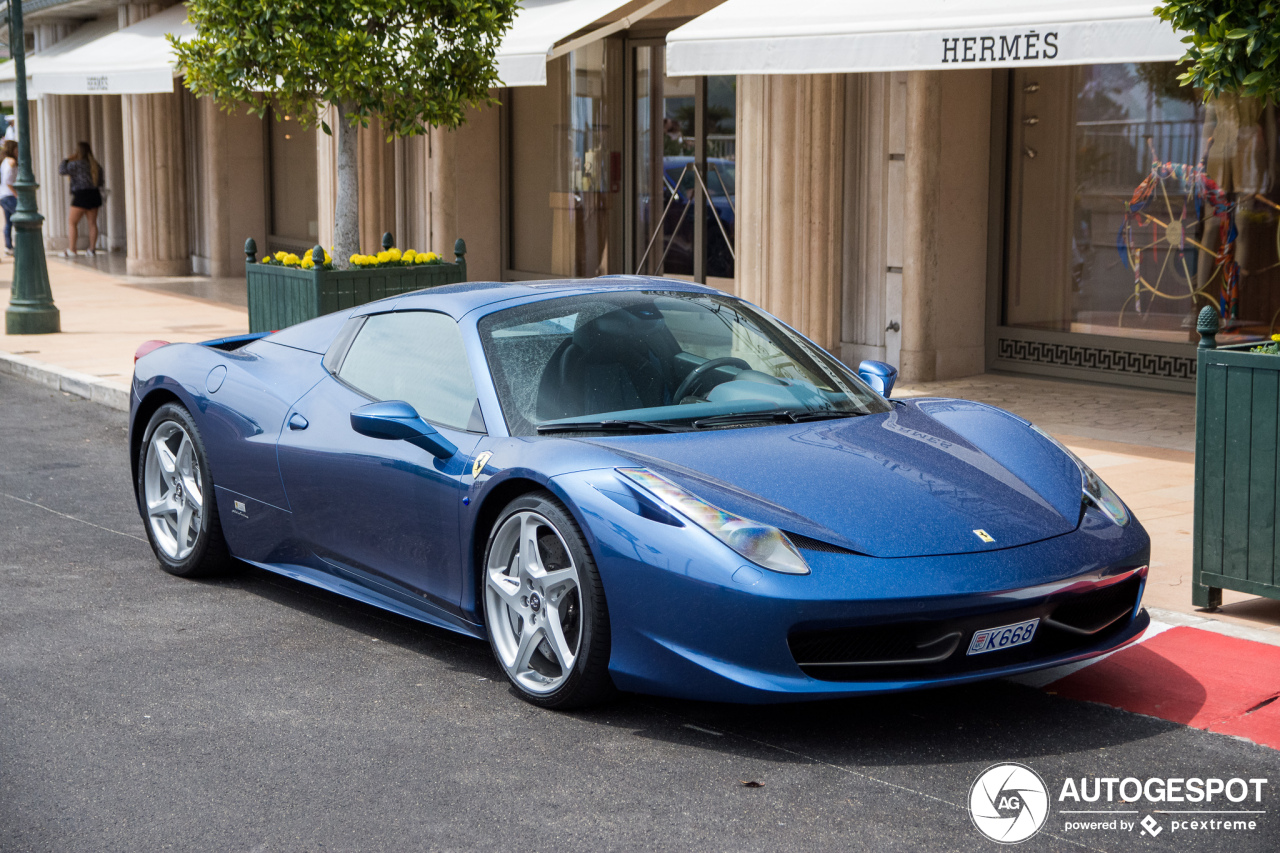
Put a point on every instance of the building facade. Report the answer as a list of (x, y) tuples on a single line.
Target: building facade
[(1025, 190)]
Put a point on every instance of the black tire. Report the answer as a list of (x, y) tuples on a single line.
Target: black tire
[(208, 553), (588, 681)]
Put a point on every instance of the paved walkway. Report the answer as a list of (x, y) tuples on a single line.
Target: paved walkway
[(1140, 441), (105, 317)]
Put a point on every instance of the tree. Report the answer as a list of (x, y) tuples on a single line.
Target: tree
[(414, 64), (1233, 45)]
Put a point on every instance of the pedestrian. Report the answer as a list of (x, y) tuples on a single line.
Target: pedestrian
[(86, 195), (10, 128), (8, 198)]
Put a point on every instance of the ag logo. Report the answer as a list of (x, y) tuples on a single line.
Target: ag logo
[(1008, 803)]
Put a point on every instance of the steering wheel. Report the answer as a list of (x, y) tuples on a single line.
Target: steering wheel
[(695, 376)]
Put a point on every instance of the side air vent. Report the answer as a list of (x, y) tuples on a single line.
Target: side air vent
[(808, 543)]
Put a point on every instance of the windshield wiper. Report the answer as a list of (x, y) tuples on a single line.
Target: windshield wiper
[(780, 417), (608, 426), (783, 416), (825, 414)]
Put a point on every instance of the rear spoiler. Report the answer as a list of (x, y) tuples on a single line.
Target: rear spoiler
[(235, 341)]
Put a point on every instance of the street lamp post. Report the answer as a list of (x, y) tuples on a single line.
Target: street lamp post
[(31, 310)]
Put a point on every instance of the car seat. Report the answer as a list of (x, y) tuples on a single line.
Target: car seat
[(620, 360)]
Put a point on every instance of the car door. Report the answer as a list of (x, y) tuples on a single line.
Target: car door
[(386, 508)]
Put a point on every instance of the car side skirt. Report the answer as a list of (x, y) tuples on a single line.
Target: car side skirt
[(394, 601)]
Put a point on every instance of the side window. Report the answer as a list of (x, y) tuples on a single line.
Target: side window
[(418, 357)]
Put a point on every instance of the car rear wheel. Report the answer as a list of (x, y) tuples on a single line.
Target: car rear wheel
[(175, 495), (545, 607)]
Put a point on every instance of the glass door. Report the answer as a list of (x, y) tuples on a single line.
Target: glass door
[(682, 176)]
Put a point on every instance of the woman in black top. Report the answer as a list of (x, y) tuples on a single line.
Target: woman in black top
[(86, 195)]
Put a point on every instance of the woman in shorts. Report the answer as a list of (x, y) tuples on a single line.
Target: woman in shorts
[(86, 195)]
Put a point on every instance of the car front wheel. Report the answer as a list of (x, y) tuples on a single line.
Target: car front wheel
[(545, 607)]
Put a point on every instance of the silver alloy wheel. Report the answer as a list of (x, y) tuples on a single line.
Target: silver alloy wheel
[(173, 488), (534, 602)]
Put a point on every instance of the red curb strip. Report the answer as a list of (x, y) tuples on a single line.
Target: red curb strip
[(1190, 676)]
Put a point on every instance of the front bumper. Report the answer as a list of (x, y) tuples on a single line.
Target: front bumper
[(690, 620)]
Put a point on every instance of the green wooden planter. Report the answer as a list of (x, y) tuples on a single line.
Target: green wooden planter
[(1237, 478), (282, 296)]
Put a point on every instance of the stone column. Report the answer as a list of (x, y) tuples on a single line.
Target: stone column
[(107, 138), (790, 208), (155, 185), (62, 121), (944, 266), (377, 186), (920, 251)]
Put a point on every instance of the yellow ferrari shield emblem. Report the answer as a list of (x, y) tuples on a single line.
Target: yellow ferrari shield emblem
[(478, 465), (984, 536)]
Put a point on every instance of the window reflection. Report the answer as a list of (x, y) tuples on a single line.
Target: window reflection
[(566, 166), (1134, 205)]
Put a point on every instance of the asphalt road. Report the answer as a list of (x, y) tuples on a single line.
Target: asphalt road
[(141, 712)]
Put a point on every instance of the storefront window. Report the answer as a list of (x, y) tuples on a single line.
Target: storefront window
[(294, 202), (1133, 205), (566, 167), (667, 237)]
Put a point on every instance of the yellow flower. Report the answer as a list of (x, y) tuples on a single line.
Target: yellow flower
[(327, 258), (281, 255), (292, 260), (1275, 337), (354, 260), (408, 256), (384, 256), (307, 263), (432, 257), (394, 253)]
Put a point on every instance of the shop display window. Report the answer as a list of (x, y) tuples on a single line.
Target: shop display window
[(566, 166), (1132, 204)]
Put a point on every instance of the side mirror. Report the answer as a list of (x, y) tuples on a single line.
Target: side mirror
[(879, 376), (397, 420)]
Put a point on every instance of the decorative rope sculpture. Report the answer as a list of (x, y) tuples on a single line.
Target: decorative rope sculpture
[(1198, 196)]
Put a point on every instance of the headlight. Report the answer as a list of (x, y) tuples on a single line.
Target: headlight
[(762, 544), (1095, 491)]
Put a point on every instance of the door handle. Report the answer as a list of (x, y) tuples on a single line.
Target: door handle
[(297, 421)]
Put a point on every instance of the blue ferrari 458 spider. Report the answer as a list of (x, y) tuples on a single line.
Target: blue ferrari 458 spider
[(635, 484)]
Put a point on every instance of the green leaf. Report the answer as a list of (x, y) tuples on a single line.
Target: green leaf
[(1238, 34)]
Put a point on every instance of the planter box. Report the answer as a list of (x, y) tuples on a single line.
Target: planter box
[(1237, 478), (282, 296)]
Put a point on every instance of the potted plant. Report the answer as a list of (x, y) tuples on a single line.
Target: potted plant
[(1237, 513), (285, 289)]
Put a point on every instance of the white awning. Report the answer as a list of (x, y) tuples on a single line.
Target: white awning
[(133, 61), (540, 24), (85, 33), (833, 36)]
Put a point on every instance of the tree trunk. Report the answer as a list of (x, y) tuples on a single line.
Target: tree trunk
[(346, 219)]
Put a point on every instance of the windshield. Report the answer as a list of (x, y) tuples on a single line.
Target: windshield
[(686, 360)]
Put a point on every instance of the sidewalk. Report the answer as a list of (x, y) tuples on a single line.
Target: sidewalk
[(1140, 442), (105, 317)]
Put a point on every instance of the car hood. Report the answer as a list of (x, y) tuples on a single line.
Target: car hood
[(920, 480)]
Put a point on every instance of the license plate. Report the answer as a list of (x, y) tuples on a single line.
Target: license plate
[(1004, 637)]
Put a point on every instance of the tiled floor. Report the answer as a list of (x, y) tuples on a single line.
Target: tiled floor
[(1111, 413), (227, 291)]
